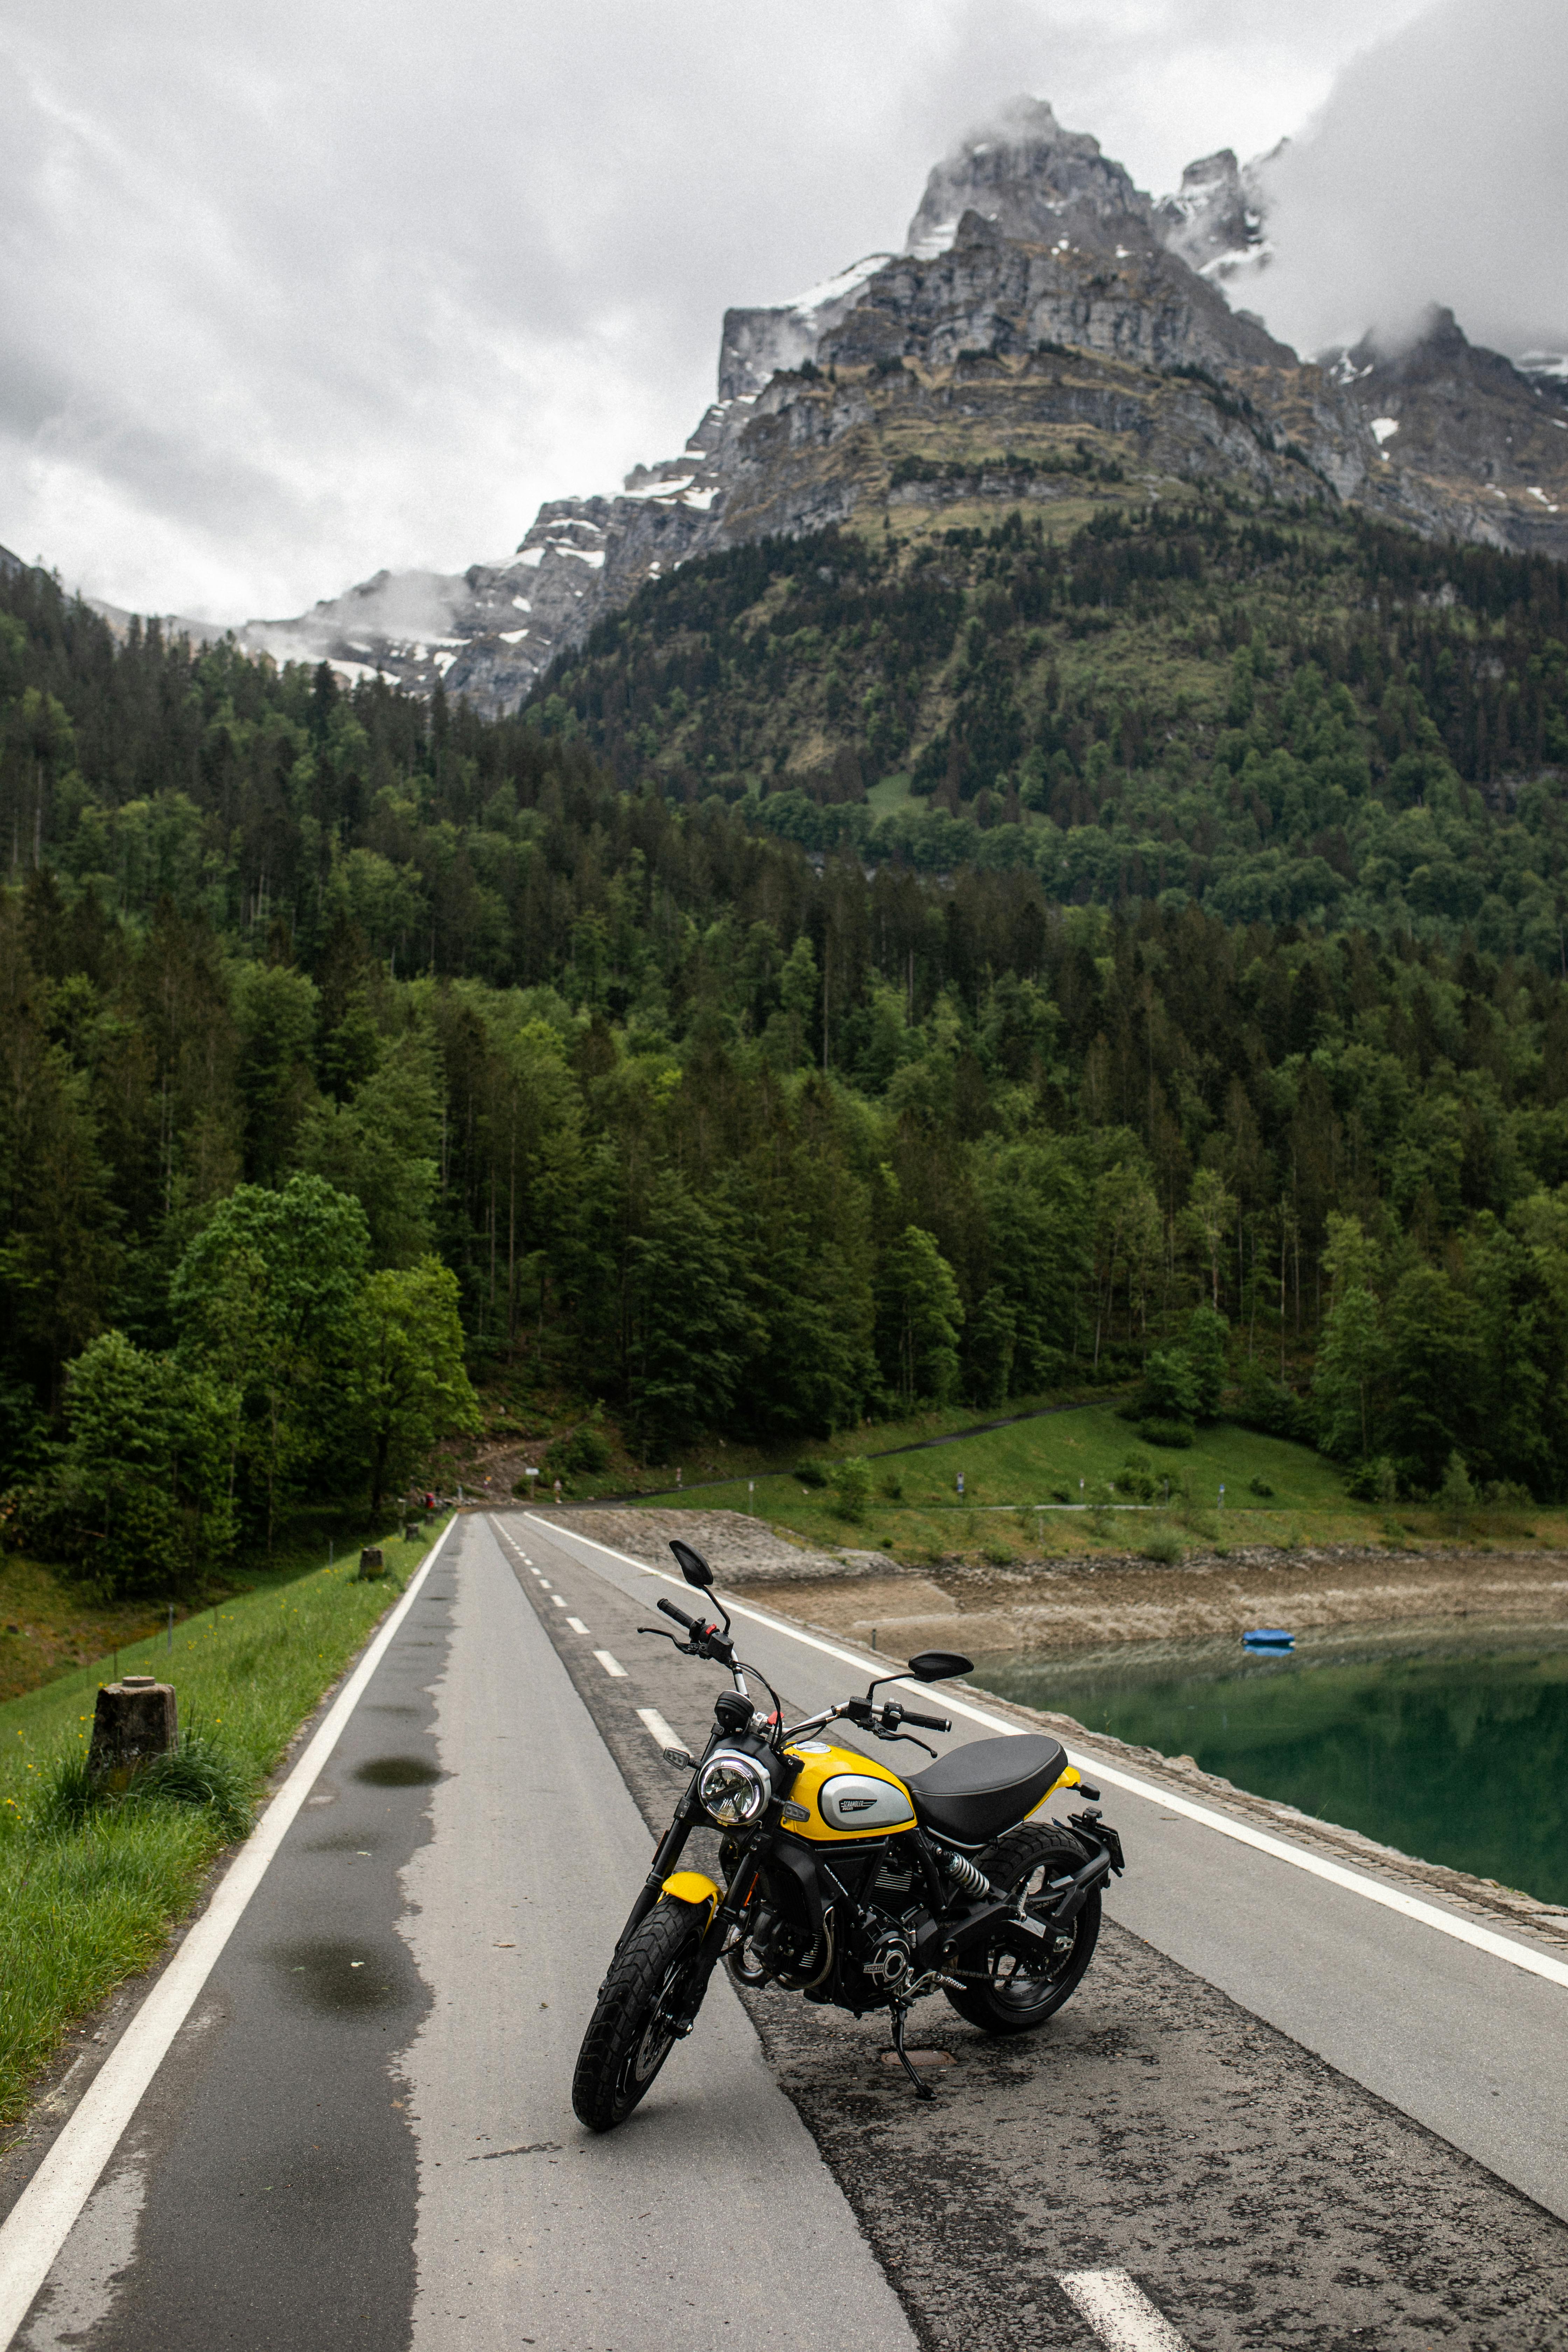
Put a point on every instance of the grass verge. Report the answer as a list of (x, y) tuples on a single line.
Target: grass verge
[(90, 1891)]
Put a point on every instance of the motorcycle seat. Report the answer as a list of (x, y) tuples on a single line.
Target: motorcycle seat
[(975, 1793)]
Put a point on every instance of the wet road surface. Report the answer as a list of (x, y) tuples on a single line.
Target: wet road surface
[(362, 2136)]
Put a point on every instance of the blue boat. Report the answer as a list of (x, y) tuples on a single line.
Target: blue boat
[(1268, 1637)]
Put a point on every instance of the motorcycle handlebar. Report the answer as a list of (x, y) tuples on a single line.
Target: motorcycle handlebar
[(692, 1624), (927, 1722)]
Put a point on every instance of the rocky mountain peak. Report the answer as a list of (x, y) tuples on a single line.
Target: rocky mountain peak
[(1049, 338), (1216, 220), (1035, 181)]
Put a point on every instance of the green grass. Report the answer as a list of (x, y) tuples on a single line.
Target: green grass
[(1008, 1471), (83, 1907)]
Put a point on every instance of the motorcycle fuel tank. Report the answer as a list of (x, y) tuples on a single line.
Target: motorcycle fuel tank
[(839, 1793)]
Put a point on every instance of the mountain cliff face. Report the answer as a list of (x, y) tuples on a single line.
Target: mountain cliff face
[(1215, 221), (1051, 337)]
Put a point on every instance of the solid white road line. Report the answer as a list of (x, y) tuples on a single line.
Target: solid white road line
[(1371, 1890), (1120, 2312), (577, 1625), (41, 2221), (651, 1721), (611, 1666)]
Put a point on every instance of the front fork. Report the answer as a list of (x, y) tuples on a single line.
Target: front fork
[(726, 1917), (667, 1853)]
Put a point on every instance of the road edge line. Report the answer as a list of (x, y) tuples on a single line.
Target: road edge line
[(44, 2215), (1353, 1882)]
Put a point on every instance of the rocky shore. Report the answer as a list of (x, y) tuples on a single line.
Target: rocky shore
[(1087, 1603)]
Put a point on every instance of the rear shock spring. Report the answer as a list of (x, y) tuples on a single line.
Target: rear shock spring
[(969, 1874)]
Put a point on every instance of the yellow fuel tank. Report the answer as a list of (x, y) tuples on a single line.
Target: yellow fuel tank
[(839, 1794)]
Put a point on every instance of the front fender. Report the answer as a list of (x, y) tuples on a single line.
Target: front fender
[(691, 1886)]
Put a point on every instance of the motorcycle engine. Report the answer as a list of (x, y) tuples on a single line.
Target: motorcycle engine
[(890, 1950), (889, 1960)]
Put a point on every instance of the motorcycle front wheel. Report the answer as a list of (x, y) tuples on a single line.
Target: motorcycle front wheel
[(1013, 1995), (632, 2030)]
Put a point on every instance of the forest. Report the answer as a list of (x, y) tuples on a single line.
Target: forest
[(356, 1051), (1282, 714)]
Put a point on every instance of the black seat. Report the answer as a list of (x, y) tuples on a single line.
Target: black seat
[(976, 1792)]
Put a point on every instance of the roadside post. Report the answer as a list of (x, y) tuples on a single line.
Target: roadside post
[(135, 1718)]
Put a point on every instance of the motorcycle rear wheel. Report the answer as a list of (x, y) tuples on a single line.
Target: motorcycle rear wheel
[(632, 2030), (1014, 1997)]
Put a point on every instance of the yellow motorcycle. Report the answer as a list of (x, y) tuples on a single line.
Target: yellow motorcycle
[(845, 1881)]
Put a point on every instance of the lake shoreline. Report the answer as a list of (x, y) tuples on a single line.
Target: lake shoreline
[(1087, 1604)]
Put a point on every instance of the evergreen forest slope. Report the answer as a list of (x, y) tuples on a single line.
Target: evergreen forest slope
[(340, 1031), (1280, 713)]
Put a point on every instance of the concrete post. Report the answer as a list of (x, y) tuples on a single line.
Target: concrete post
[(371, 1565), (134, 1718)]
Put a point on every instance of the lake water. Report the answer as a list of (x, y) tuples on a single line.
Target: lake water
[(1452, 1748)]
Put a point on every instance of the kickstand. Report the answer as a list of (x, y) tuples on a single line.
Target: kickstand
[(923, 2090)]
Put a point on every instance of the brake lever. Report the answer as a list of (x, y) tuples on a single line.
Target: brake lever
[(909, 1736), (660, 1635)]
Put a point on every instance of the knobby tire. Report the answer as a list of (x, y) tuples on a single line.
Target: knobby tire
[(1017, 1998), (629, 2034)]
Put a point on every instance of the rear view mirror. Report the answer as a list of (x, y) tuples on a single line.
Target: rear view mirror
[(691, 1564), (940, 1666)]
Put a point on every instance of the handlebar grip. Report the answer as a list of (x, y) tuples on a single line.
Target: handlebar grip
[(680, 1616), (927, 1722)]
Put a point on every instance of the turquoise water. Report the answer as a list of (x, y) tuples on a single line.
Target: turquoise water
[(1455, 1750)]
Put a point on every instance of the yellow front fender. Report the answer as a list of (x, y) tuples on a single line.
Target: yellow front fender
[(690, 1886)]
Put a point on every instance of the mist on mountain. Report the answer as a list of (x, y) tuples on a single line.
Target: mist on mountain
[(1435, 172)]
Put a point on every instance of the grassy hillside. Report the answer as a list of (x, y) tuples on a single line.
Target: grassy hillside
[(1078, 1481), (1284, 712)]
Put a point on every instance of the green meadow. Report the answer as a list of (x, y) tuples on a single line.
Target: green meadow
[(1077, 1480)]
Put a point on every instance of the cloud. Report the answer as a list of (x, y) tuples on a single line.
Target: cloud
[(1436, 172), (291, 294)]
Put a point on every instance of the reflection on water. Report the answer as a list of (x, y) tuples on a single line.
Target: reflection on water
[(1452, 1749)]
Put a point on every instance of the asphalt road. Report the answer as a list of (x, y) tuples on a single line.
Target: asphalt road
[(1276, 2115)]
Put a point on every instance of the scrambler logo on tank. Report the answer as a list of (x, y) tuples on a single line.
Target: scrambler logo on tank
[(852, 1800)]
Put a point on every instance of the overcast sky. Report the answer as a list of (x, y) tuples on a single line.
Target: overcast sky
[(292, 291)]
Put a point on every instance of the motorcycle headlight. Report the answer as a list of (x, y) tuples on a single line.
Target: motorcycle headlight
[(732, 1789)]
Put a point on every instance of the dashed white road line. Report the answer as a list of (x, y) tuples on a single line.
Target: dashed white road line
[(612, 1665), (577, 1625), (652, 1721), (559, 1603), (1119, 2311), (1526, 1957)]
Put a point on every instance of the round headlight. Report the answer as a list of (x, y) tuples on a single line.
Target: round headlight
[(732, 1789)]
